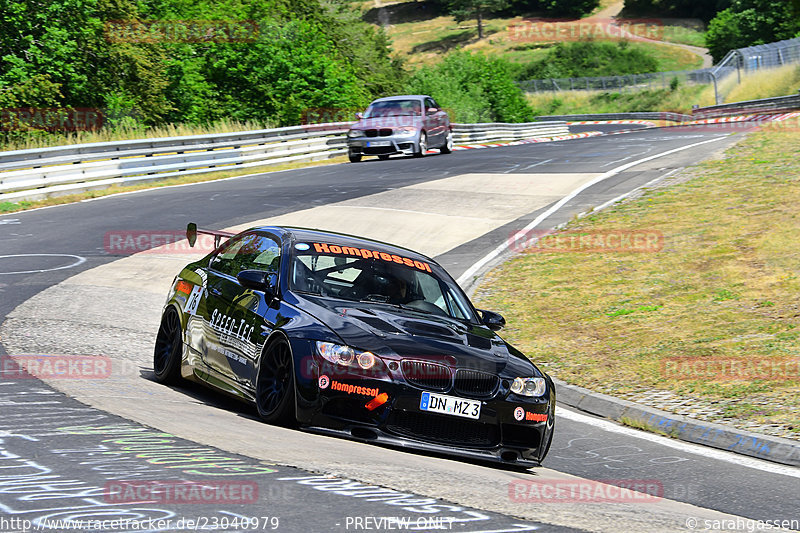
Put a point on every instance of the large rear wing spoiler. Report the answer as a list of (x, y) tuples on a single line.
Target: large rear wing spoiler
[(192, 231)]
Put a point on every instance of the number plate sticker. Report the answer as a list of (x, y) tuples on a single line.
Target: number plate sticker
[(450, 405), (379, 143), (193, 300)]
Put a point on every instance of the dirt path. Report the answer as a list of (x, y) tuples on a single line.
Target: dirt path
[(613, 10)]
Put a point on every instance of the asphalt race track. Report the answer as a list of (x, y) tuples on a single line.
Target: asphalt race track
[(65, 290)]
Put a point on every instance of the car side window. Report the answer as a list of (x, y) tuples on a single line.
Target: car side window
[(429, 103), (253, 251)]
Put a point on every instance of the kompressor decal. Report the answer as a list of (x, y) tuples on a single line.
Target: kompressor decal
[(354, 389), (322, 248)]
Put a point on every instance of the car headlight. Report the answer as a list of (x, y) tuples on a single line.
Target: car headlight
[(406, 130), (529, 386), (345, 355), (354, 133)]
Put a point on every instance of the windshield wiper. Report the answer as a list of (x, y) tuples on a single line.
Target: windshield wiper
[(383, 299)]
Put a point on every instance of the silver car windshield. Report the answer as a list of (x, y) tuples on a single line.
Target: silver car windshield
[(394, 108), (372, 276)]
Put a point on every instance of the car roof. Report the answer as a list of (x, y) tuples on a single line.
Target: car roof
[(342, 239), (402, 97)]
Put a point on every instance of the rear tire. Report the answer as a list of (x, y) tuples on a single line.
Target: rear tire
[(447, 147), (423, 145), (275, 390), (168, 351), (354, 157)]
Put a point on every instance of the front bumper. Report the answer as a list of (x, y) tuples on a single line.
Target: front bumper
[(341, 408), (395, 144)]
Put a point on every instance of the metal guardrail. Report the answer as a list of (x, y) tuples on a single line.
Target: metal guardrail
[(763, 105), (42, 172), (671, 117), (496, 131)]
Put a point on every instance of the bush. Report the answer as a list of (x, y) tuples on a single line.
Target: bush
[(590, 58), (704, 10), (473, 88)]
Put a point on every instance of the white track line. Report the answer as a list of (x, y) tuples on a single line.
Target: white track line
[(471, 271), (705, 451)]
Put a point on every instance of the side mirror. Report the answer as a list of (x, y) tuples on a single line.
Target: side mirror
[(492, 320), (433, 110), (258, 280), (359, 115), (191, 234)]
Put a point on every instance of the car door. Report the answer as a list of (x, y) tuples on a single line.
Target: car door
[(435, 128), (239, 319)]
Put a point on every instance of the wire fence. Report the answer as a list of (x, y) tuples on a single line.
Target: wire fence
[(737, 61)]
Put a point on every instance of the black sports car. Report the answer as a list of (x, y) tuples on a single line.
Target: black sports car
[(354, 337)]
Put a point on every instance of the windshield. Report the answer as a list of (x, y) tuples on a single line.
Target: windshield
[(369, 275), (394, 108)]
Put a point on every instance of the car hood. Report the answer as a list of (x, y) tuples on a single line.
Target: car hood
[(386, 122), (389, 330)]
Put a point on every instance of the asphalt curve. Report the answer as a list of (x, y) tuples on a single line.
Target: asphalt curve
[(42, 248)]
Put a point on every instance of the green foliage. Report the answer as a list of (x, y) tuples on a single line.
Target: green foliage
[(296, 54), (589, 58), (554, 8), (473, 88), (568, 8), (751, 22), (469, 9), (703, 10)]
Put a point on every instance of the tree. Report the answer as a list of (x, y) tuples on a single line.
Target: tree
[(473, 88), (467, 9), (704, 10), (751, 22), (568, 8)]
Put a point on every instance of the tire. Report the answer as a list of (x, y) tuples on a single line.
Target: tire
[(423, 145), (354, 157), (383, 157), (552, 414), (275, 385), (447, 147), (168, 351)]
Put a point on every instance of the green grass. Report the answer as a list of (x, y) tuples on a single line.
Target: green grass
[(766, 83), (422, 36), (723, 288), (578, 102), (685, 35), (637, 424), (40, 139)]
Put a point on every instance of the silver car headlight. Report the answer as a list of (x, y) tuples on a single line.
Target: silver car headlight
[(529, 386), (354, 133), (406, 130)]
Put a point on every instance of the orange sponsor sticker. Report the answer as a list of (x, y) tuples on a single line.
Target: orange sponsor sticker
[(322, 248)]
